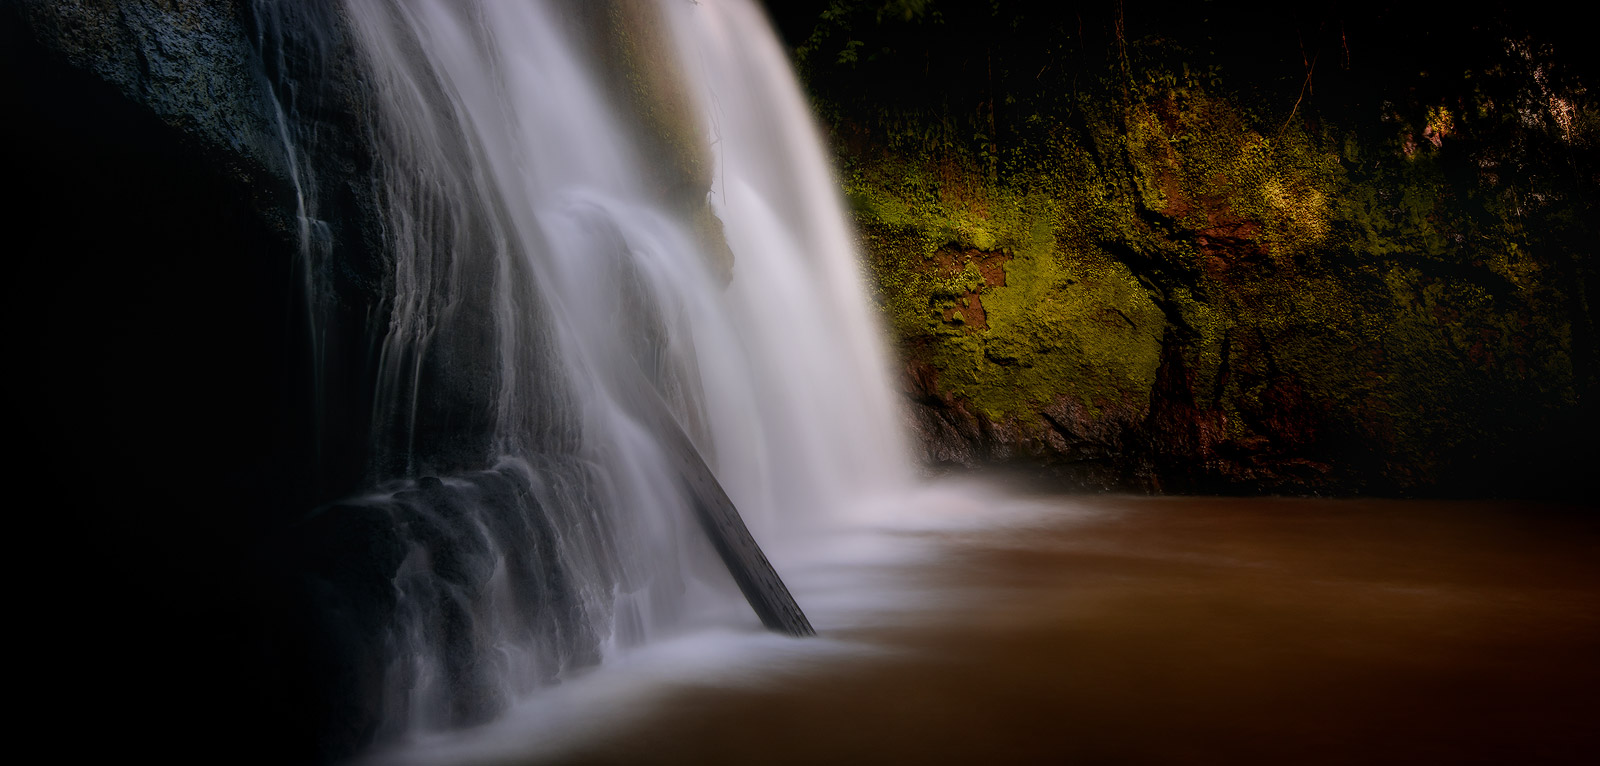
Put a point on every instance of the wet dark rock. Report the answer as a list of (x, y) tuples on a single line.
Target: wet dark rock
[(156, 268)]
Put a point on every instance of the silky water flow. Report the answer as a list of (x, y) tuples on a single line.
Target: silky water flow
[(560, 311)]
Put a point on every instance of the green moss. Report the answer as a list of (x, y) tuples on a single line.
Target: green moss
[(1330, 298), (1065, 320)]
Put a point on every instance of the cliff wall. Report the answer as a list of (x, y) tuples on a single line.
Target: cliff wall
[(1188, 249)]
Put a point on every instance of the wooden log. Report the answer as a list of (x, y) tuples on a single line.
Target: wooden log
[(756, 577), (754, 574)]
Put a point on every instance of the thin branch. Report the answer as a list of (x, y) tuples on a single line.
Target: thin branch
[(1309, 71)]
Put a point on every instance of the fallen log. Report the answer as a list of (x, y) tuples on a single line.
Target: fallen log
[(754, 574)]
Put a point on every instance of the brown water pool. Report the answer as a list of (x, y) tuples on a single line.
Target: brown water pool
[(1197, 631)]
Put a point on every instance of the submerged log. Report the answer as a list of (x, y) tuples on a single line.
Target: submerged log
[(757, 579)]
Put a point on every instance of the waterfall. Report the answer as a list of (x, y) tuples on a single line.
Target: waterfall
[(605, 221)]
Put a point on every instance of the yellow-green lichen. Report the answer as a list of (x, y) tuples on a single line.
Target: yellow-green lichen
[(1057, 321), (1317, 293)]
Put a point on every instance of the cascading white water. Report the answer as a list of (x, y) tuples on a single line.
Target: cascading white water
[(822, 428), (541, 271)]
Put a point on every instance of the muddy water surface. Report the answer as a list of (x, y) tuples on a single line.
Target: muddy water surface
[(1202, 631), (1144, 630)]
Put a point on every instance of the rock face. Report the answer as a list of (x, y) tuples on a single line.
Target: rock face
[(1103, 250), (167, 149), (187, 65), (168, 396)]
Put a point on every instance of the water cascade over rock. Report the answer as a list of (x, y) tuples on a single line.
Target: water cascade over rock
[(567, 339), (431, 337)]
